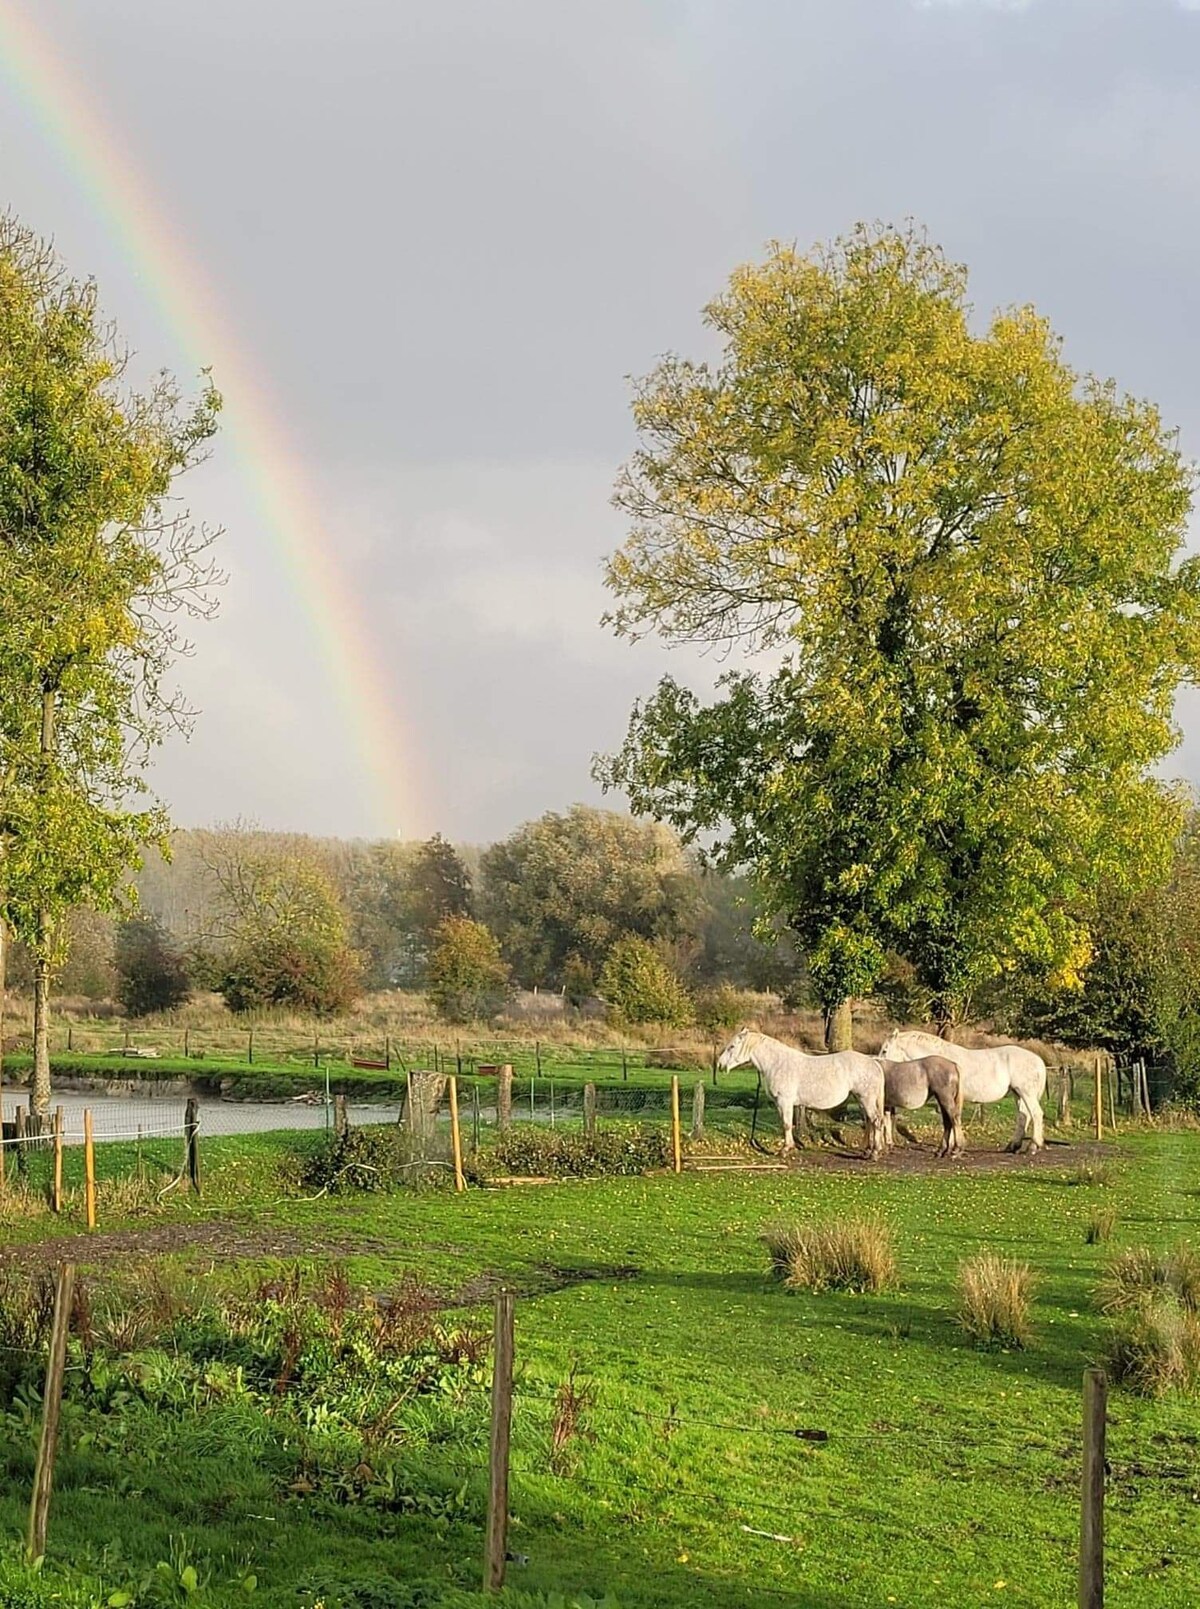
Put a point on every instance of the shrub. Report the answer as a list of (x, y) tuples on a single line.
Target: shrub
[(722, 1009), (311, 972), (468, 978), (529, 1150), (1155, 1345), (638, 986), (1100, 1226), (855, 1255), (369, 1159), (1139, 1274), (579, 981), (994, 1299), (151, 974)]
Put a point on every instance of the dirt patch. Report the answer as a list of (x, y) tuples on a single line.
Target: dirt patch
[(220, 1239), (920, 1159), (543, 1279)]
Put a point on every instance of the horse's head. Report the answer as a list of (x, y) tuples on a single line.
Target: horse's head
[(737, 1051), (887, 1051)]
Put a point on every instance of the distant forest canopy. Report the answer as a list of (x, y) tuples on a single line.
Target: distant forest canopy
[(558, 893)]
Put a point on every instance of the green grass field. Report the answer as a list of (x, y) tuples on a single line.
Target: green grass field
[(949, 1476)]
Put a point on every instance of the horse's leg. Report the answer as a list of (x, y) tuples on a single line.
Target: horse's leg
[(889, 1129), (1037, 1138), (1018, 1138), (786, 1108), (875, 1119)]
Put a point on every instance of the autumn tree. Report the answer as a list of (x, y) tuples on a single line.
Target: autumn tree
[(278, 933), (638, 985), (573, 884), (151, 973), (965, 561), (468, 977), (96, 568)]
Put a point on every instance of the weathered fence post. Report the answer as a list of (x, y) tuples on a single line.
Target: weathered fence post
[(191, 1142), (624, 1065), (250, 1046), (460, 1183), (387, 1052), (89, 1169), (56, 1198), (187, 1042), (537, 1058), (589, 1110), (1064, 1100), (43, 1476), (1091, 1517), (341, 1117), (715, 1053), (698, 1110), (676, 1136), (504, 1097), (495, 1545), (1110, 1081), (21, 1124), (1099, 1102), (316, 1050), (70, 1037)]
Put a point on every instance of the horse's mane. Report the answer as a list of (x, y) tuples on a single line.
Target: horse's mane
[(936, 1045)]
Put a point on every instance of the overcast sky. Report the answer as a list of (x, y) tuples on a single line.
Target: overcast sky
[(444, 233)]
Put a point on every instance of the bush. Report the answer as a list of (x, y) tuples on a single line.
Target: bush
[(579, 982), (468, 978), (310, 972), (531, 1151), (1100, 1226), (722, 1009), (1140, 1274), (151, 973), (369, 1159), (638, 986), (856, 1255), (1155, 1345), (994, 1300)]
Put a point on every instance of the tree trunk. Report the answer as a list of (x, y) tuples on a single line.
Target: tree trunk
[(839, 1027), (39, 1089)]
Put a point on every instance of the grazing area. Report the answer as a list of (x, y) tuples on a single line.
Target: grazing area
[(285, 1392)]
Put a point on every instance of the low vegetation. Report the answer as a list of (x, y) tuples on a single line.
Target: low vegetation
[(995, 1300), (1100, 1225), (1155, 1344), (856, 1254)]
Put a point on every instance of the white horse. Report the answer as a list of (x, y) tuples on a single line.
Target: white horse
[(822, 1082), (986, 1076)]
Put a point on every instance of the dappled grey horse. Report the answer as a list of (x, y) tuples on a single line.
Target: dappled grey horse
[(907, 1085), (823, 1082)]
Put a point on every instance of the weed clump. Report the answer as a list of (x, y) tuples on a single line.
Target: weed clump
[(855, 1255), (1091, 1175), (995, 1296), (1100, 1226), (1140, 1274), (1154, 1346)]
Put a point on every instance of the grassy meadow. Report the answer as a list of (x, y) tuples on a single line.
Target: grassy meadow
[(662, 1375)]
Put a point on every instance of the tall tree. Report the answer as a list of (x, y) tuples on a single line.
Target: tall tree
[(965, 559), (95, 568), (572, 885)]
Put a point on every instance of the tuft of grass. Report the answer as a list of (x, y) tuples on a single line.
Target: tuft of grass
[(1100, 1226), (856, 1254), (1091, 1175), (1141, 1274), (1154, 1345), (995, 1295)]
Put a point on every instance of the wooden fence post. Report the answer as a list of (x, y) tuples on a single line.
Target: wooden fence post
[(624, 1065), (21, 1123), (1110, 1081), (589, 1110), (1091, 1517), (495, 1544), (537, 1057), (316, 1050), (56, 1199), (89, 1169), (460, 1184), (715, 1053), (504, 1097), (43, 1477), (698, 1110), (1099, 1102), (676, 1136), (341, 1117), (387, 1052), (250, 1046), (191, 1142), (187, 1042)]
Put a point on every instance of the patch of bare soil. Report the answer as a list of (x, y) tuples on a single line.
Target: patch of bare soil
[(920, 1159), (222, 1240)]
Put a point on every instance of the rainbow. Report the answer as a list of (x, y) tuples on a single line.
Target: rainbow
[(65, 114)]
